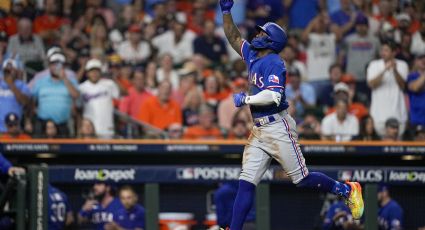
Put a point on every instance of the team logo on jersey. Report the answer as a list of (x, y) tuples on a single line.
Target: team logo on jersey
[(274, 79)]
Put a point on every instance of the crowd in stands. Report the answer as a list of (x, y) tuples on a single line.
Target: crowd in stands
[(355, 69)]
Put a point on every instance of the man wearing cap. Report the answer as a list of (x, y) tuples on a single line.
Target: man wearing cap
[(340, 125), (14, 94), (13, 128), (54, 96), (386, 77), (134, 49), (360, 48), (98, 94), (392, 127), (301, 93), (416, 92), (390, 215)]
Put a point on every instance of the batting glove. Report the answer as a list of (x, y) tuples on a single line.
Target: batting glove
[(239, 99), (226, 6)]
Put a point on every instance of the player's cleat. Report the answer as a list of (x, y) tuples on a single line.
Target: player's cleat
[(355, 200)]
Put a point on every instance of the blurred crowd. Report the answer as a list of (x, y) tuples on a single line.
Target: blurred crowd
[(163, 69)]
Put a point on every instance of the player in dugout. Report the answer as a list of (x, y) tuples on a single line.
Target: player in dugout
[(274, 133)]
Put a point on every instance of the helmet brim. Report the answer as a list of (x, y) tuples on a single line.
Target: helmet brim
[(261, 28)]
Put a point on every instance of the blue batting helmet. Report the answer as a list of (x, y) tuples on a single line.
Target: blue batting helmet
[(275, 40)]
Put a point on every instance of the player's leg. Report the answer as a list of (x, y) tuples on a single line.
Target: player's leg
[(254, 164)]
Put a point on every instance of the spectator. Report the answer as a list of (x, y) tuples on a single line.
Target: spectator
[(418, 39), (106, 13), (50, 130), (87, 130), (239, 130), (327, 91), (124, 73), (420, 133), (213, 92), (416, 92), (403, 21), (344, 19), (134, 49), (321, 47), (367, 130), (28, 46), (197, 16), (206, 129), (290, 54), (166, 71), (340, 125), (210, 45), (188, 76), (392, 127), (162, 110), (390, 215), (175, 131), (301, 13), (137, 95), (13, 128), (48, 25), (178, 42), (14, 94), (338, 217), (150, 73), (360, 48), (386, 77), (131, 215), (191, 107), (60, 213), (100, 209), (99, 43), (98, 94), (343, 92), (54, 95), (310, 128), (261, 12), (386, 10), (7, 168), (403, 52), (301, 93), (9, 23), (226, 109)]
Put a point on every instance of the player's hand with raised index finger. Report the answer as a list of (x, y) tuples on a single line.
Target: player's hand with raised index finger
[(226, 6), (239, 99)]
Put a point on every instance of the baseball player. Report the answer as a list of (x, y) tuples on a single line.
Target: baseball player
[(60, 213), (273, 135)]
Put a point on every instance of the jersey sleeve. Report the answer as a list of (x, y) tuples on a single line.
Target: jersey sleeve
[(274, 78), (140, 219), (395, 220), (245, 49), (4, 164)]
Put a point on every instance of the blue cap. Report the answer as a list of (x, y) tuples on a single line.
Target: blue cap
[(362, 19), (383, 187)]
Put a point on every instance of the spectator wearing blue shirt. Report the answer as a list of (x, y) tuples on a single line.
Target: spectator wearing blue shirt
[(301, 93), (14, 94), (390, 216), (344, 19), (54, 96), (131, 216), (210, 45), (338, 217), (100, 209), (60, 213), (301, 12), (224, 197), (416, 92)]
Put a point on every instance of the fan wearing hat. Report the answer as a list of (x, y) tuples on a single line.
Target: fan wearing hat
[(416, 92), (134, 49), (14, 94), (54, 93), (390, 214), (301, 93), (98, 96), (13, 128)]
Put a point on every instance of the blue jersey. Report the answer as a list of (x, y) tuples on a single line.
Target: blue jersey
[(99, 215), (4, 164), (267, 72), (58, 208), (130, 219), (390, 216), (329, 223), (417, 102)]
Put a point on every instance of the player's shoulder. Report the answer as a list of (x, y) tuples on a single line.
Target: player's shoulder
[(274, 60)]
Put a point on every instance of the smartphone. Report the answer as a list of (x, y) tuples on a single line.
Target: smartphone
[(58, 68)]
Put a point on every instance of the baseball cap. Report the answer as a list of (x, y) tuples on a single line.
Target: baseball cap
[(3, 36), (188, 68), (53, 50), (341, 86), (361, 19), (57, 57), (11, 62), (11, 119), (134, 28), (403, 16), (392, 122), (93, 64)]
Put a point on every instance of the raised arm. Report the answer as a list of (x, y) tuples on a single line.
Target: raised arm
[(230, 29)]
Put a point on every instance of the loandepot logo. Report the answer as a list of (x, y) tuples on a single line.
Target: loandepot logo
[(115, 175), (412, 176)]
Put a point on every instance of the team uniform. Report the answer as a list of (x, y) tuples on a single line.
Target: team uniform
[(4, 164), (58, 208), (390, 216), (99, 215), (329, 223), (130, 219)]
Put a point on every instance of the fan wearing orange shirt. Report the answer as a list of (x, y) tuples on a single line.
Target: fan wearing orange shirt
[(206, 129), (13, 129), (162, 110), (343, 92), (48, 24)]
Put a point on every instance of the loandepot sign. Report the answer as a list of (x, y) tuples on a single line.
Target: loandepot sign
[(115, 175), (412, 176)]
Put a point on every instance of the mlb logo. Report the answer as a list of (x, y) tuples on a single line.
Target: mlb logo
[(274, 79)]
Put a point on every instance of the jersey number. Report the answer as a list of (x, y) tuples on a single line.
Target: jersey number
[(58, 212)]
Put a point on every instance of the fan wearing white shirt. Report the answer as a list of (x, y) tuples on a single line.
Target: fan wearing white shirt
[(340, 125), (97, 96), (134, 49), (387, 79)]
